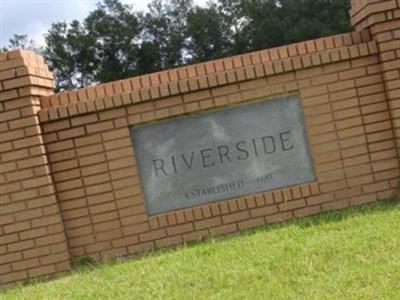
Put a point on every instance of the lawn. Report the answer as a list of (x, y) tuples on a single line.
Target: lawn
[(351, 254)]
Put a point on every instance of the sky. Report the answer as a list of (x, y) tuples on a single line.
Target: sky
[(34, 17)]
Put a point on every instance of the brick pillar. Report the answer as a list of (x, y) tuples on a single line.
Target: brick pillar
[(382, 19), (32, 238)]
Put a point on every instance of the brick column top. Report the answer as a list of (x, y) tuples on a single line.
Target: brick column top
[(365, 13), (26, 71)]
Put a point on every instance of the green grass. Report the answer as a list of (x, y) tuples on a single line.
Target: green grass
[(351, 254)]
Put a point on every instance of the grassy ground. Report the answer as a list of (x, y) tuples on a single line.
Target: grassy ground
[(352, 254)]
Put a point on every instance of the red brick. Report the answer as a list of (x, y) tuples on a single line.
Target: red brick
[(263, 211), (307, 211)]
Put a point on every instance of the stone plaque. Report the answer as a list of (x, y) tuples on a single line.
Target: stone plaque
[(221, 154)]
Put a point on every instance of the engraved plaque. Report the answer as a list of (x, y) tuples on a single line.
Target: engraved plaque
[(221, 154)]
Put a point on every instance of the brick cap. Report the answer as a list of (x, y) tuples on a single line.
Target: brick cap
[(366, 13), (205, 72), (184, 86), (23, 69)]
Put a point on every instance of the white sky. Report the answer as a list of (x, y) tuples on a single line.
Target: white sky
[(34, 17)]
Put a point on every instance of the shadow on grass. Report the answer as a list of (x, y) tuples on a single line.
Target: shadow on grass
[(86, 264), (349, 212)]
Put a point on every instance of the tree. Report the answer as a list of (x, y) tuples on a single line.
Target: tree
[(234, 17), (21, 41), (104, 47), (165, 27), (272, 23), (114, 30), (209, 37), (70, 55), (114, 42), (307, 19), (148, 58)]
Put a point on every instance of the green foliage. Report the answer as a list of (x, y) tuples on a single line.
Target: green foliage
[(114, 42), (164, 26), (102, 48), (272, 23), (232, 12), (70, 55), (208, 34), (349, 254), (21, 41), (148, 58), (114, 29)]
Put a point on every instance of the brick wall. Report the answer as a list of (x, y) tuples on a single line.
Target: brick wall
[(91, 202), (382, 19), (32, 238)]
